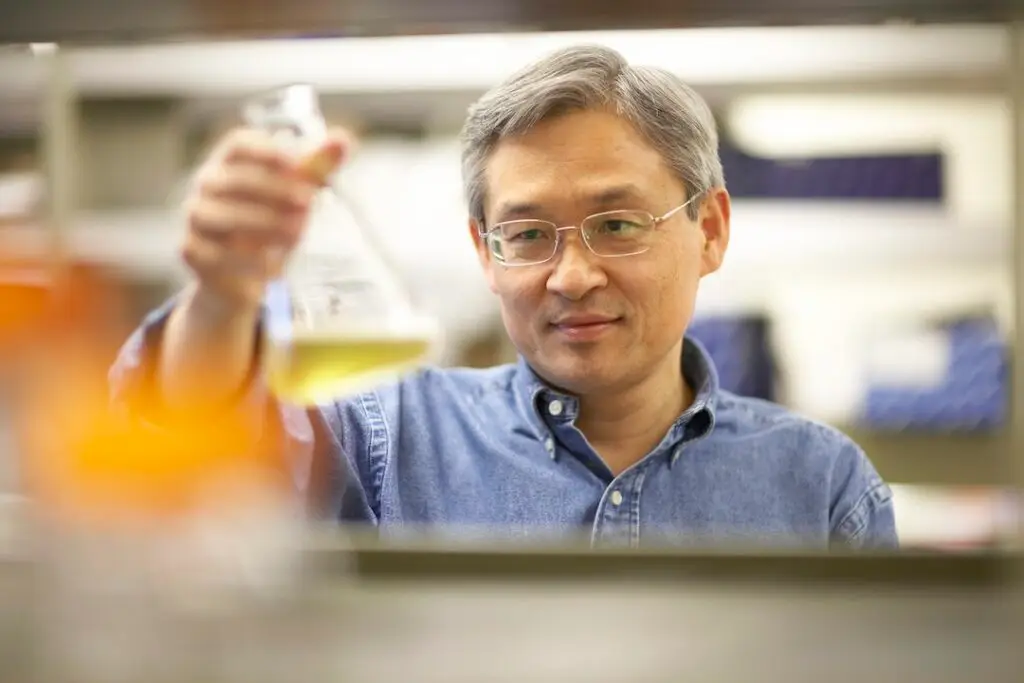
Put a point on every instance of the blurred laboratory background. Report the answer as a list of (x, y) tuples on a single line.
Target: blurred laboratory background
[(869, 280)]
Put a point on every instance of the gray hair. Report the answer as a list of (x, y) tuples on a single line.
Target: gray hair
[(670, 114)]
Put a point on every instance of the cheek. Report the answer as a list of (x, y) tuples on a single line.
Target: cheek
[(514, 286), (665, 297), (520, 295)]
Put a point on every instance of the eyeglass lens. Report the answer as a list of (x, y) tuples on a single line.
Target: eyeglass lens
[(615, 233)]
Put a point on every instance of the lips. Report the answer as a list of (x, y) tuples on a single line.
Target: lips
[(584, 328), (583, 320)]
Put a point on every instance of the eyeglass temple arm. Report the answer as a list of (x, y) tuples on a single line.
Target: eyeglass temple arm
[(673, 212)]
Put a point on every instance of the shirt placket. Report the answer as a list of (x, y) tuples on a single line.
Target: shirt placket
[(617, 522)]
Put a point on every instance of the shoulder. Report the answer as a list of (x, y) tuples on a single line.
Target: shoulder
[(860, 502), (475, 380), (432, 390), (802, 445), (417, 409), (746, 418), (457, 383), (429, 410)]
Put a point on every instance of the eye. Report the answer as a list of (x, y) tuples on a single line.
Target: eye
[(618, 226), (496, 247), (526, 231)]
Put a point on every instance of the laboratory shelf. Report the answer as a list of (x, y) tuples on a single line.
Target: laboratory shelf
[(133, 20), (934, 458)]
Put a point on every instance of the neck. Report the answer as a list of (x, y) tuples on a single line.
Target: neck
[(626, 424)]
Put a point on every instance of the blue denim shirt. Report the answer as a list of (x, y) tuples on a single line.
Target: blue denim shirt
[(496, 452)]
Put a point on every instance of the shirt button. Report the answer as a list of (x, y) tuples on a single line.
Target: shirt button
[(555, 407), (549, 445), (616, 498)]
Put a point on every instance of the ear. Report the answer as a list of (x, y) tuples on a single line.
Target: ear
[(715, 213), (483, 254)]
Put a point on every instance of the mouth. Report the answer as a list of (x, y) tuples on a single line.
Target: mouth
[(584, 328)]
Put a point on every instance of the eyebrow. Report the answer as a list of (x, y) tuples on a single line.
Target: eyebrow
[(605, 198), (616, 194), (510, 211)]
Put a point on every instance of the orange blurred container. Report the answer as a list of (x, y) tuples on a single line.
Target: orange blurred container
[(83, 460)]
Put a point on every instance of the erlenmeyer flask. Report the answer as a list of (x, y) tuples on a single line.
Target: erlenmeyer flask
[(340, 320)]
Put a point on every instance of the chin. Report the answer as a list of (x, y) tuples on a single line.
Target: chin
[(580, 374)]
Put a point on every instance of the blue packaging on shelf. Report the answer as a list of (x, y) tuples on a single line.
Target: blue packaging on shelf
[(916, 177), (972, 396), (739, 347)]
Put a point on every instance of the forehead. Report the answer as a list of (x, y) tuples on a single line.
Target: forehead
[(579, 158)]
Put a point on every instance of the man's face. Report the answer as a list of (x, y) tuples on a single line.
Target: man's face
[(584, 322)]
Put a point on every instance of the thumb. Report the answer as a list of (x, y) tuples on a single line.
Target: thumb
[(319, 165)]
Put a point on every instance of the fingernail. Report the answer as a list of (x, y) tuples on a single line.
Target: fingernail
[(321, 163)]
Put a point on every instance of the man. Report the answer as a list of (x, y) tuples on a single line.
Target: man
[(597, 204)]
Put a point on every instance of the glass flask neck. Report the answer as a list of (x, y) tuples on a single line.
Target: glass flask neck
[(293, 109)]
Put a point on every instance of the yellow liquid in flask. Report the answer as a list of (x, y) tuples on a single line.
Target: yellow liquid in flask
[(318, 368)]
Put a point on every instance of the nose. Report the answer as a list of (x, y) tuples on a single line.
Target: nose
[(575, 272)]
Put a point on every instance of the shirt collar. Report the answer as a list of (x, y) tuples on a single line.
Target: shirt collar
[(536, 398)]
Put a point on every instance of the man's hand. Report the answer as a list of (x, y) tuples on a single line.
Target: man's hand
[(246, 213)]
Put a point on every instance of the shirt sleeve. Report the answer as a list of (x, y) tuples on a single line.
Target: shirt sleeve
[(862, 514), (313, 455)]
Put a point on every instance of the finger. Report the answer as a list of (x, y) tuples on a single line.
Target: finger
[(343, 139), (317, 167), (216, 264), (219, 219), (258, 184), (250, 146), (283, 239)]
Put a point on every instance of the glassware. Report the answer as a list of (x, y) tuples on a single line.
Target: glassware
[(340, 320)]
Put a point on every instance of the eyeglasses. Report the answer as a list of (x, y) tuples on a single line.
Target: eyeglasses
[(608, 234)]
